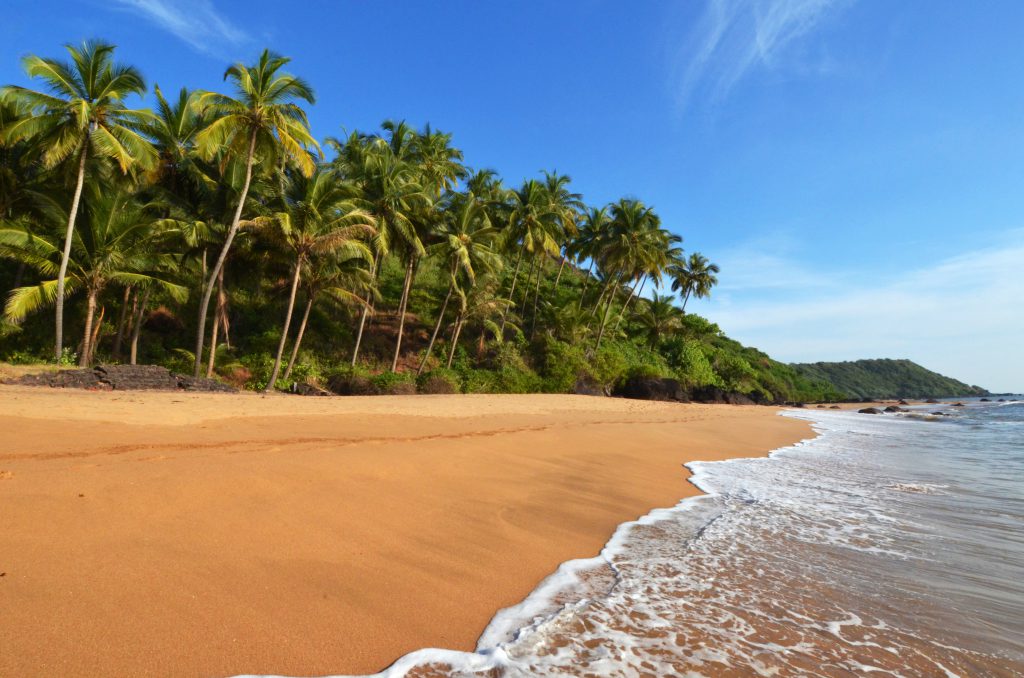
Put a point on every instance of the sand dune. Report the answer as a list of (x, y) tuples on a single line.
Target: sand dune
[(199, 535)]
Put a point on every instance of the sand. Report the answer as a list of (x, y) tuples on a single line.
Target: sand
[(150, 534)]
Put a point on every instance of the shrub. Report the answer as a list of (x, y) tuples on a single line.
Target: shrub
[(440, 380), (564, 364), (394, 383)]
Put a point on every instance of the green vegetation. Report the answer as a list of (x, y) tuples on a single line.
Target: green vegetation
[(216, 221), (887, 379)]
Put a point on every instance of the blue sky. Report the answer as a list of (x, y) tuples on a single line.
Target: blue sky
[(855, 166)]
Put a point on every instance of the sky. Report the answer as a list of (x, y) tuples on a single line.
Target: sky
[(856, 167)]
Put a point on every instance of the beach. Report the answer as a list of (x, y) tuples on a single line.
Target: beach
[(149, 533)]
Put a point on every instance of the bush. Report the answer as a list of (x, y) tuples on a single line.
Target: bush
[(394, 383), (440, 380), (564, 364)]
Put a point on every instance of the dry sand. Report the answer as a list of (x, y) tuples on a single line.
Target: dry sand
[(149, 534)]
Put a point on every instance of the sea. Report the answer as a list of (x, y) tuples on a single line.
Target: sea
[(889, 544)]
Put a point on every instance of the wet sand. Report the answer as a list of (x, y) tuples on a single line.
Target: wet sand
[(149, 534)]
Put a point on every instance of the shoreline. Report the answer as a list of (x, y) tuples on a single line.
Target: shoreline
[(301, 536)]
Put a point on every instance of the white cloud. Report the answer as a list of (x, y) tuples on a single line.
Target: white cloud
[(963, 316), (196, 22), (731, 37)]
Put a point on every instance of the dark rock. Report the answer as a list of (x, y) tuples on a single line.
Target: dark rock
[(931, 401), (137, 377), (941, 414), (834, 407), (984, 400), (201, 384), (652, 388), (902, 402), (1002, 400), (957, 405), (894, 408), (820, 407), (587, 386), (870, 410)]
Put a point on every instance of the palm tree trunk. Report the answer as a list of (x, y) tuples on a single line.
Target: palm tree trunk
[(560, 267), (604, 319), (97, 325), (367, 308), (511, 293), (298, 339), (204, 305), (529, 283), (287, 324), (83, 360), (455, 339), (122, 323), (222, 309), (217, 321), (66, 256), (401, 312), (137, 327), (685, 299), (437, 328), (586, 282), (642, 281), (536, 298)]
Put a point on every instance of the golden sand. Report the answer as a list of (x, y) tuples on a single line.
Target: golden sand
[(148, 534)]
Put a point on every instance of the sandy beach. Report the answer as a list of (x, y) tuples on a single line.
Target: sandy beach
[(203, 535)]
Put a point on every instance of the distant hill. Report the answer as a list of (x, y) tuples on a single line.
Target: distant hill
[(884, 378)]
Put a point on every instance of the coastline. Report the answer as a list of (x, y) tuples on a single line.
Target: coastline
[(232, 534)]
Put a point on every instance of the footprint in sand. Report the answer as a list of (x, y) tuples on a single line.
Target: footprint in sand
[(6, 475)]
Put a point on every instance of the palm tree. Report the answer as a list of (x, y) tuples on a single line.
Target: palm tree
[(343, 277), (260, 122), (694, 276), (82, 115), (113, 247), (533, 227), (465, 246), (658, 317), (318, 219), (589, 241)]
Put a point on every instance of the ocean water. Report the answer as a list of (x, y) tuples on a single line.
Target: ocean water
[(888, 545)]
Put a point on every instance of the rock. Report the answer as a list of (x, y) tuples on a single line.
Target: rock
[(1002, 400), (940, 414), (800, 405), (870, 410), (587, 386), (652, 388), (834, 407), (902, 402), (957, 405), (137, 377), (894, 408), (820, 407), (201, 384), (931, 401), (984, 400)]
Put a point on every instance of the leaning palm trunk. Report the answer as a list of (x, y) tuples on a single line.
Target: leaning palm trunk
[(685, 299), (561, 266), (455, 339), (512, 291), (586, 282), (437, 328), (604, 319), (401, 312), (217, 322), (83, 360), (287, 324), (536, 298), (97, 325), (66, 255), (137, 327), (298, 339), (641, 282), (204, 305), (122, 323), (367, 308)]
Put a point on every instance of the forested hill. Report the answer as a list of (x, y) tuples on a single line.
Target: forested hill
[(885, 378)]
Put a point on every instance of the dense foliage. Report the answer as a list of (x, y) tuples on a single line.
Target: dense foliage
[(887, 379), (213, 234)]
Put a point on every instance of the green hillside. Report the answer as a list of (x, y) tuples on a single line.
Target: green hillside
[(885, 378)]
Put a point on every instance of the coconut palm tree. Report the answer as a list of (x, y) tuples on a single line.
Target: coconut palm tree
[(319, 219), (113, 246), (261, 122), (465, 246), (81, 116), (695, 276), (532, 228), (658, 317), (343, 277)]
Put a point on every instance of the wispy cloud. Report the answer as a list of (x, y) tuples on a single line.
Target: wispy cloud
[(732, 37), (197, 22), (962, 316)]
